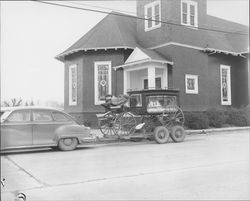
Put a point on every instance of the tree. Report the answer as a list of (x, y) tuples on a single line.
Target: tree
[(31, 103), (14, 102)]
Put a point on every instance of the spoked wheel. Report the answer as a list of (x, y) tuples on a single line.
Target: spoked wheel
[(161, 134), (125, 124), (106, 124), (177, 133), (171, 116)]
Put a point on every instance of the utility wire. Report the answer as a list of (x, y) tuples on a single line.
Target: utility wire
[(127, 12), (135, 17)]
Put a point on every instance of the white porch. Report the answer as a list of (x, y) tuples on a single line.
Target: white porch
[(148, 76), (145, 69)]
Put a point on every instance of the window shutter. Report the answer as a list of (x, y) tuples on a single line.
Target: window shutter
[(192, 15), (184, 13), (149, 16), (157, 14)]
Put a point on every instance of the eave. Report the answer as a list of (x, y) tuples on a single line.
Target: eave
[(148, 60), (214, 51), (61, 56)]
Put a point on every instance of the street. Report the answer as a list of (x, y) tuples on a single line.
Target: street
[(203, 167)]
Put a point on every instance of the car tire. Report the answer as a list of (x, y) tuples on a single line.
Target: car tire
[(67, 144), (177, 133), (161, 134)]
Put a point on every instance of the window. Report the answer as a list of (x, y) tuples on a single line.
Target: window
[(73, 84), (157, 83), (102, 81), (153, 15), (42, 116), (135, 100), (225, 80), (158, 104), (189, 14), (20, 116), (191, 84), (60, 117)]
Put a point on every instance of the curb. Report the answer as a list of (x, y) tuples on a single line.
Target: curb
[(202, 131), (206, 131)]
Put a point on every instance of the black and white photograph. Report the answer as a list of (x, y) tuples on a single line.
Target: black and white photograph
[(125, 100)]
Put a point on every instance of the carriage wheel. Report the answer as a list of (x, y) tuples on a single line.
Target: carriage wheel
[(106, 124), (161, 134), (171, 116), (124, 124), (177, 133)]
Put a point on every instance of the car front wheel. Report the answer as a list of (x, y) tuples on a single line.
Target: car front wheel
[(67, 144)]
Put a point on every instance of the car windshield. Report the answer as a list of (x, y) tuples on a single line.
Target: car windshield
[(5, 115)]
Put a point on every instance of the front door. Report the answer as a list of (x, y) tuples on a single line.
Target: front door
[(16, 130)]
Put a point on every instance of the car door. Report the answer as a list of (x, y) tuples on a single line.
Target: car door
[(16, 130), (43, 127), (61, 119)]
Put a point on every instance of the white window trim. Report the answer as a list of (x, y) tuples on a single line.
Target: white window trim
[(228, 68), (196, 84), (189, 2), (98, 102), (152, 5), (71, 102)]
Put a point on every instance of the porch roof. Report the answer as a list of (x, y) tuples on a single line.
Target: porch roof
[(141, 55)]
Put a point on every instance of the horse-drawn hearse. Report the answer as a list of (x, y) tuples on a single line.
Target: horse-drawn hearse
[(144, 114)]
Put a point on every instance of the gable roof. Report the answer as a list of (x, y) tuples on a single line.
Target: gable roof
[(141, 55), (116, 30)]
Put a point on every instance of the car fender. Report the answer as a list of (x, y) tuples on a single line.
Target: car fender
[(76, 131)]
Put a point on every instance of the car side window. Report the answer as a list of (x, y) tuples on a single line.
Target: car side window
[(19, 116), (42, 116), (60, 117)]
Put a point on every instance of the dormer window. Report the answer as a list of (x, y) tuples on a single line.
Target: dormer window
[(189, 13), (153, 15)]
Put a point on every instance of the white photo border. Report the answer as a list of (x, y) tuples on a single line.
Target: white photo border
[(196, 88)]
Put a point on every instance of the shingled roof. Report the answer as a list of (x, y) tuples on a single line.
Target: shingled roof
[(119, 30), (116, 30), (235, 40)]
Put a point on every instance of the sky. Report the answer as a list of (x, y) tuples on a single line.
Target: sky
[(32, 34)]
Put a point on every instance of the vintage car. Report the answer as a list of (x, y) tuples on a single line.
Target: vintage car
[(30, 127)]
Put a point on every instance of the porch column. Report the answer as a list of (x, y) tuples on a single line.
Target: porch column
[(126, 83), (151, 77), (165, 78)]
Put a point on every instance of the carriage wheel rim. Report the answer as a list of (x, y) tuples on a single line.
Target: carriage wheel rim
[(124, 124)]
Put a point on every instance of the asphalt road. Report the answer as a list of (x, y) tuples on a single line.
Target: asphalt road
[(203, 167)]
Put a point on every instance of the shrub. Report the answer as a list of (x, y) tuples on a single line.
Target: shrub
[(237, 117), (216, 117), (247, 110), (196, 120)]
